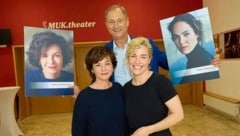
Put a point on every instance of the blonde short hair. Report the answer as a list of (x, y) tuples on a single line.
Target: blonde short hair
[(116, 6), (136, 43)]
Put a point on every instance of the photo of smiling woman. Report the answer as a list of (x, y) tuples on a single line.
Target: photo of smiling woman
[(48, 64), (190, 48)]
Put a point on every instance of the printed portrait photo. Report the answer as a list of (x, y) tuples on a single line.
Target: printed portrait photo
[(48, 57), (189, 46)]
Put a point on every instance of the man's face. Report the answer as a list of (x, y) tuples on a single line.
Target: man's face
[(117, 24)]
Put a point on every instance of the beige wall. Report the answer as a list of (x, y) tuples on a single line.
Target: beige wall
[(224, 14)]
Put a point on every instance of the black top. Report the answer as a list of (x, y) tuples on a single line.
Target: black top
[(145, 104), (99, 113), (197, 58)]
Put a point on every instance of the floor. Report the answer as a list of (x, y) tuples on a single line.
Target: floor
[(197, 122)]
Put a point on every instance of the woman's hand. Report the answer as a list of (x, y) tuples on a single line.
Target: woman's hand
[(142, 131)]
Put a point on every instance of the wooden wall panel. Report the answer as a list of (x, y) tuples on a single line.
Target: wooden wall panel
[(22, 105)]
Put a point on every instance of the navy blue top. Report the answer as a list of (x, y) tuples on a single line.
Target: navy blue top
[(159, 57), (37, 76), (99, 112)]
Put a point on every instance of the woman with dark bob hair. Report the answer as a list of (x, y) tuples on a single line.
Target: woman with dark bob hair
[(48, 54), (99, 108)]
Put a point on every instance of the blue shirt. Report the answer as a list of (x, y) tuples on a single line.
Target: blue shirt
[(122, 74)]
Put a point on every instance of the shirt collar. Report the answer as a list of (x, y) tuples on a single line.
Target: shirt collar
[(116, 47)]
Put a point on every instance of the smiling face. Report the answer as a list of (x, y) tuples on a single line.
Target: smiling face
[(51, 61), (184, 37), (139, 60), (117, 23), (103, 69)]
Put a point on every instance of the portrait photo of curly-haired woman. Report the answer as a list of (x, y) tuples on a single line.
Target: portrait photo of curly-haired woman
[(49, 58)]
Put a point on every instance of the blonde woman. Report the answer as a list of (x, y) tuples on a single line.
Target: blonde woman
[(151, 102)]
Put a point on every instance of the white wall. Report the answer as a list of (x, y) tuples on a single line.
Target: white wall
[(224, 14), (225, 17), (229, 82)]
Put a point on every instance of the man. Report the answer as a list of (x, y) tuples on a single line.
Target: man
[(117, 22)]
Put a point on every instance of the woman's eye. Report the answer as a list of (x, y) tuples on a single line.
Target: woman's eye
[(108, 63), (57, 55), (175, 37), (44, 55), (132, 56), (186, 34)]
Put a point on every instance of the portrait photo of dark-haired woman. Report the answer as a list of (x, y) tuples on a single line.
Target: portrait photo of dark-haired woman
[(189, 46), (48, 57)]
